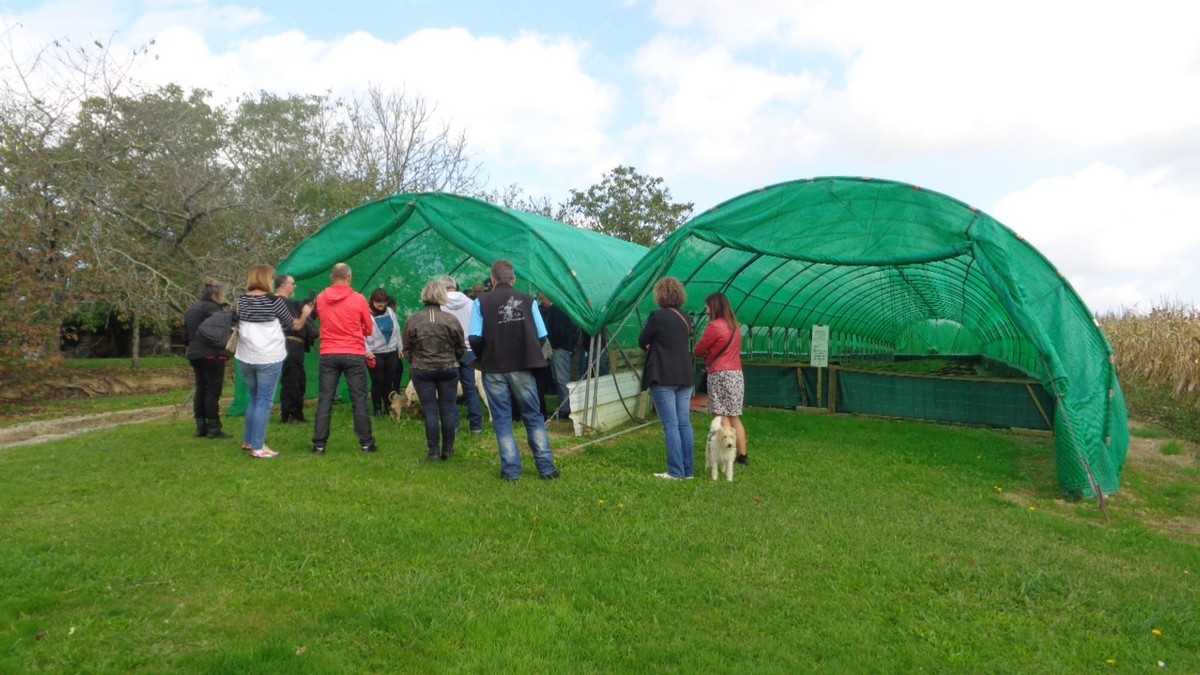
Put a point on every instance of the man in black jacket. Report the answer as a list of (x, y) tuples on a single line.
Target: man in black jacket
[(506, 333), (294, 380)]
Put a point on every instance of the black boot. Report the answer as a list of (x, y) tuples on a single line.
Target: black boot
[(434, 455), (201, 428), (214, 430)]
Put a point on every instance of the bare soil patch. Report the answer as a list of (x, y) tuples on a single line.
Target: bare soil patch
[(48, 392)]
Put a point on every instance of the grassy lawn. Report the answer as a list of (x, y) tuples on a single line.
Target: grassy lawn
[(849, 545)]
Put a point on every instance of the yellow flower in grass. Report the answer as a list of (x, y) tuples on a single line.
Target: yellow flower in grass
[(601, 502), (1156, 632)]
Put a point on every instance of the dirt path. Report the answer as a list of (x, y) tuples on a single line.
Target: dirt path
[(32, 433)]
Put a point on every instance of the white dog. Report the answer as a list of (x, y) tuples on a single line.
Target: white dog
[(410, 393), (721, 449)]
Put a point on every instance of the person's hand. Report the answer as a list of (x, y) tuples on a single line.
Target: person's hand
[(305, 311)]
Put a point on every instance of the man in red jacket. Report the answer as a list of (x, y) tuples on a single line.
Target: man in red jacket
[(345, 324)]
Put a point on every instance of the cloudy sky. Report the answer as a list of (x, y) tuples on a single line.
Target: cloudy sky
[(1076, 124)]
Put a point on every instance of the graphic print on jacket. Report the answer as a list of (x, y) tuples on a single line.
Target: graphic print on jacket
[(511, 311)]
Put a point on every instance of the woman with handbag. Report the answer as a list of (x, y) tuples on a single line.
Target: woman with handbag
[(261, 350), (208, 363), (668, 375), (721, 348)]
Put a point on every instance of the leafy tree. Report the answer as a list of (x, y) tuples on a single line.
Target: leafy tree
[(40, 217), (627, 205)]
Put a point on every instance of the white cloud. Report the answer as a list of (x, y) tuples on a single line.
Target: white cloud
[(530, 111), (1121, 239), (1026, 76), (708, 114)]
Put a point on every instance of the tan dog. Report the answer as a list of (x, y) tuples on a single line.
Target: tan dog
[(410, 392), (721, 449), (401, 407)]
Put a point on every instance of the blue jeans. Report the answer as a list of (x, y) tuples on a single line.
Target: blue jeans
[(466, 375), (674, 407), (518, 385), (560, 363), (260, 379), (438, 393), (330, 371)]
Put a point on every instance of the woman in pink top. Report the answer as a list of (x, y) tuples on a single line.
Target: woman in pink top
[(721, 348)]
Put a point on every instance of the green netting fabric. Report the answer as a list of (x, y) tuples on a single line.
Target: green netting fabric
[(402, 242), (892, 268)]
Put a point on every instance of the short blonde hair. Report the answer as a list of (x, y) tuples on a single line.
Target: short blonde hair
[(260, 278), (669, 292), (435, 293)]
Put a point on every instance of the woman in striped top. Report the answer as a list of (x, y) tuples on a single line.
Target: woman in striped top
[(261, 350)]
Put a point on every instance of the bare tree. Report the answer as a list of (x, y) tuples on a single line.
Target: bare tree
[(395, 144)]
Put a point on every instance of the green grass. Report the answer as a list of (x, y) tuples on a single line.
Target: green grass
[(848, 545), (144, 363), (1171, 448), (1179, 416), (1153, 433), (19, 412)]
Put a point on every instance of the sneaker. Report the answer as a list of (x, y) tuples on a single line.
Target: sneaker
[(269, 451), (246, 447), (263, 453), (667, 476), (552, 475), (370, 447), (477, 431), (509, 479), (742, 459), (318, 449)]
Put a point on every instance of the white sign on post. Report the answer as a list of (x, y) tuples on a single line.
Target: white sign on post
[(820, 347)]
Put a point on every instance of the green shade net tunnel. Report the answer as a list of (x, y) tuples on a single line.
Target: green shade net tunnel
[(889, 267), (893, 268), (404, 241)]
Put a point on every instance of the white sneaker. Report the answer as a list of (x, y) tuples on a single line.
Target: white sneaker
[(264, 453), (667, 476)]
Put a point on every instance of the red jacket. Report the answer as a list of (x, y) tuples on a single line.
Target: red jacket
[(716, 336), (345, 321)]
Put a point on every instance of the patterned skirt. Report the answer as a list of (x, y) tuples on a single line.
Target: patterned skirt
[(726, 392)]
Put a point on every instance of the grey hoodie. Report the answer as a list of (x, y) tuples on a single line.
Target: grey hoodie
[(459, 305)]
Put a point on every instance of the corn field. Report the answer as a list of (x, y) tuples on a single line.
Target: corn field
[(1159, 350)]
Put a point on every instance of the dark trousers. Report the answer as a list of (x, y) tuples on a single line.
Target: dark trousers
[(210, 377), (438, 392), (382, 377), (354, 367), (292, 383)]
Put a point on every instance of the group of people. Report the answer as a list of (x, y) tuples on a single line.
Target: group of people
[(669, 373), (501, 333)]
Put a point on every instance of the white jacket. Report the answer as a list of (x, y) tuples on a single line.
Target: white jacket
[(375, 341)]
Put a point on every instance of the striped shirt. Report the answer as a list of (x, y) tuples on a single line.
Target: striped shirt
[(263, 308)]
